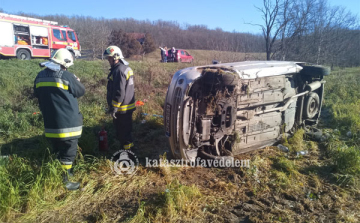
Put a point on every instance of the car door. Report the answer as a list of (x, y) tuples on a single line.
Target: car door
[(182, 56), (59, 38), (188, 57), (72, 39)]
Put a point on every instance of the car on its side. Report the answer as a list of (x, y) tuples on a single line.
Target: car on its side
[(221, 110), (181, 56)]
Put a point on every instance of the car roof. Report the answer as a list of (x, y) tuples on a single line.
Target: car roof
[(256, 69)]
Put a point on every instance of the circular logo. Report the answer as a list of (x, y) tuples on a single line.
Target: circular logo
[(124, 162)]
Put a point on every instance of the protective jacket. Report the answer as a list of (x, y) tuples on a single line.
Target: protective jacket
[(120, 89), (57, 92)]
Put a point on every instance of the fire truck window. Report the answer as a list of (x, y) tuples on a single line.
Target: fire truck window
[(19, 29), (71, 35), (64, 34), (57, 34)]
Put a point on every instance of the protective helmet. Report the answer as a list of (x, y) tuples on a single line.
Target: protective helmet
[(115, 52), (63, 57)]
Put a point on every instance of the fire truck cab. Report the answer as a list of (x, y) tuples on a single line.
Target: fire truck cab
[(27, 38)]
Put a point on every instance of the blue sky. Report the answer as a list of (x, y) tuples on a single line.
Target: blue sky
[(227, 14)]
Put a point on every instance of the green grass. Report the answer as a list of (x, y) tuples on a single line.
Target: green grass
[(342, 97), (30, 179), (177, 202)]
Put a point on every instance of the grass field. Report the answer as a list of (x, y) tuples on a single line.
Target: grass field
[(278, 187)]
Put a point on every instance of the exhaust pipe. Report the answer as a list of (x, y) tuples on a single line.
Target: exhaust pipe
[(314, 85)]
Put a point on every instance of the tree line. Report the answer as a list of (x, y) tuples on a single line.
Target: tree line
[(306, 30), (311, 31)]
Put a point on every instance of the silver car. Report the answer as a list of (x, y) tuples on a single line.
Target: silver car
[(222, 110)]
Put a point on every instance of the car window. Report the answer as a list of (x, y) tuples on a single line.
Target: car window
[(57, 34), (71, 35), (187, 54), (64, 34), (182, 53)]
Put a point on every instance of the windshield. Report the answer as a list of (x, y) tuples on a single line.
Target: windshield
[(71, 35)]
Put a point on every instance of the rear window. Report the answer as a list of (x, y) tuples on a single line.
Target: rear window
[(57, 34), (71, 35)]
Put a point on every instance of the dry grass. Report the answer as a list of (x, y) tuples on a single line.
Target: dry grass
[(205, 57), (277, 187)]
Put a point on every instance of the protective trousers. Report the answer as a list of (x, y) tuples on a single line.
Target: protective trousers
[(67, 150), (123, 129), (162, 56)]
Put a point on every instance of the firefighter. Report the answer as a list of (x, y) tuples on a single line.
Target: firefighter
[(120, 95), (57, 91)]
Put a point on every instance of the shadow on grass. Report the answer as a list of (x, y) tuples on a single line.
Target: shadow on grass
[(324, 172), (149, 139)]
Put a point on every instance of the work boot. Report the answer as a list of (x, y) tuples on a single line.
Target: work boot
[(68, 184)]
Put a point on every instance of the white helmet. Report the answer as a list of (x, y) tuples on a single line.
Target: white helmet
[(115, 52), (63, 57)]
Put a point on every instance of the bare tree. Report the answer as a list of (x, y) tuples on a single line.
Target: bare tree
[(270, 13), (307, 30)]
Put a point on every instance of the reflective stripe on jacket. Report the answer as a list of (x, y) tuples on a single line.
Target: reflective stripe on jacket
[(57, 92), (120, 88)]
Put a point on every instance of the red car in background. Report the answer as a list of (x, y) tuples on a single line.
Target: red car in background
[(180, 56)]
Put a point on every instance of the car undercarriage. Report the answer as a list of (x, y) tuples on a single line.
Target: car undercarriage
[(223, 110)]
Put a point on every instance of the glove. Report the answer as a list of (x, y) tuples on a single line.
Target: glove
[(113, 112)]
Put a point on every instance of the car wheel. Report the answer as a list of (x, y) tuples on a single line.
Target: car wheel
[(315, 71), (312, 105), (23, 54), (179, 60)]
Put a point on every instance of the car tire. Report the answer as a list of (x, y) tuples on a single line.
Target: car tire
[(179, 60), (315, 71), (23, 54), (312, 105)]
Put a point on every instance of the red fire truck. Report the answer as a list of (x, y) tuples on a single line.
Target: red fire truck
[(27, 38)]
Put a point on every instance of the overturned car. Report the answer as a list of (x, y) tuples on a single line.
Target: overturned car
[(226, 109)]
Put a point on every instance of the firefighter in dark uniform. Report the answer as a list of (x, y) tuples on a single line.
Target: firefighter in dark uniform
[(120, 95), (57, 91)]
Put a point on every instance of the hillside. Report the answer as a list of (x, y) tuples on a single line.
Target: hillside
[(322, 186)]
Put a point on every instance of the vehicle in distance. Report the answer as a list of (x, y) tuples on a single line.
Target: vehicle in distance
[(27, 38), (221, 110), (180, 56)]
